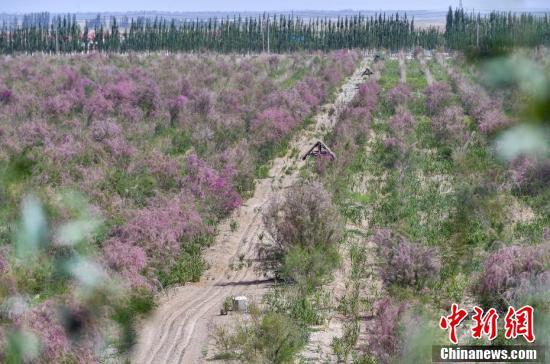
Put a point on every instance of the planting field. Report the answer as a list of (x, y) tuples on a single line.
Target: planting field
[(116, 171), (139, 193)]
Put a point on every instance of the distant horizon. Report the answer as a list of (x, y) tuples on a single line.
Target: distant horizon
[(242, 6), (537, 9)]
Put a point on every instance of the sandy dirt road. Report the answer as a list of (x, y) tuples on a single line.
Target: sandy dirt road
[(177, 332)]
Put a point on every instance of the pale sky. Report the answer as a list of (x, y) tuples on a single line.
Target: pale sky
[(60, 6)]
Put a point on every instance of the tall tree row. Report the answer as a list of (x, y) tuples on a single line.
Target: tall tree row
[(275, 33), (496, 31)]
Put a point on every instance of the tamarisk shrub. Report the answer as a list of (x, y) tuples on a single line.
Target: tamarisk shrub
[(513, 271), (492, 121), (368, 95), (44, 320), (163, 166), (175, 107), (159, 230), (127, 259), (402, 120), (400, 95), (6, 96), (34, 133), (272, 124), (384, 334), (405, 263), (202, 102), (216, 188), (305, 227), (97, 106), (479, 105), (449, 125), (530, 174), (109, 135), (438, 95)]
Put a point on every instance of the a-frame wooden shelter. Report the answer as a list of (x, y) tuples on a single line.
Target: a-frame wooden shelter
[(319, 149)]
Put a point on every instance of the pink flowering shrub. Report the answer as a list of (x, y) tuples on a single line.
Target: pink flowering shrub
[(492, 121), (479, 105), (207, 184), (529, 174), (231, 100), (161, 228), (4, 265), (163, 166), (5, 96), (44, 320), (368, 95), (438, 95), (384, 333), (240, 160), (34, 133), (127, 259), (202, 102), (272, 124), (65, 149), (511, 273), (402, 121), (400, 95), (109, 135), (121, 92), (449, 125), (311, 91), (97, 106), (405, 262)]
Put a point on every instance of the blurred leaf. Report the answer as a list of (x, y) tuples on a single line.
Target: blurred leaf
[(33, 229), (523, 139), (76, 231), (23, 347), (87, 272)]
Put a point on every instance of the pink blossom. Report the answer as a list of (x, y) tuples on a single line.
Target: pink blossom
[(34, 133), (97, 106), (66, 148), (206, 183), (45, 321), (164, 166), (437, 95), (492, 121), (368, 95), (6, 96), (272, 124), (104, 129), (127, 259), (122, 91), (402, 120), (384, 334), (399, 95), (514, 268), (160, 228), (449, 124)]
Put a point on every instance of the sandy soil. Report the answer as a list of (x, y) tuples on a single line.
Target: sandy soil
[(425, 69), (319, 349), (402, 68), (178, 330)]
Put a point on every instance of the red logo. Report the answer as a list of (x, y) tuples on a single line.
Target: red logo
[(485, 324), (519, 323), (516, 323), (452, 321)]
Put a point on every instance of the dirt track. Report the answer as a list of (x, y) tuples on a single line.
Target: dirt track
[(177, 332)]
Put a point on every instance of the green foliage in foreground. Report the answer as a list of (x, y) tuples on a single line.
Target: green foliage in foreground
[(265, 338)]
